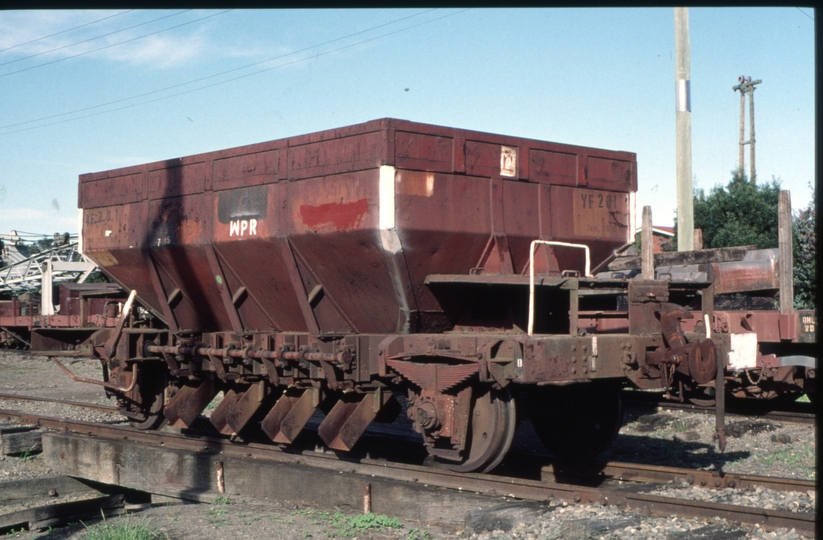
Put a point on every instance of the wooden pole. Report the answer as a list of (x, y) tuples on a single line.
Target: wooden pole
[(367, 499), (747, 85), (698, 239), (742, 129), (753, 169), (683, 127), (647, 247)]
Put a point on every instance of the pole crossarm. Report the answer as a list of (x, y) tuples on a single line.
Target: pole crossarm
[(746, 86)]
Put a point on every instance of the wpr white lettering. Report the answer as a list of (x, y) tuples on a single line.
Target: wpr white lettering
[(240, 227)]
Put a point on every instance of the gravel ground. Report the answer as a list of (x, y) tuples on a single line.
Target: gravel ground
[(666, 438), (681, 438)]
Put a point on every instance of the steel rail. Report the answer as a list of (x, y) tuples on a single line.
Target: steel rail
[(657, 474), (798, 417), (538, 490), (17, 397)]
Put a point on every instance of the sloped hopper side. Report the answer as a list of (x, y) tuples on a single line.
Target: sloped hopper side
[(335, 232)]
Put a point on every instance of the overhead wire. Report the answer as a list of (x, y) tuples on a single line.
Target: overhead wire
[(116, 44), (229, 71), (217, 74), (80, 43), (21, 234), (804, 13), (65, 31)]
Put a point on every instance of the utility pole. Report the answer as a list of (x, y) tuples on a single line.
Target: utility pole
[(685, 202), (746, 86)]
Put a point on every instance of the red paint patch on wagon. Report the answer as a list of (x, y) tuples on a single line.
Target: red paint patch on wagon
[(342, 216)]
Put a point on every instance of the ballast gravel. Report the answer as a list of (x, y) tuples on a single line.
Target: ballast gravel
[(673, 438)]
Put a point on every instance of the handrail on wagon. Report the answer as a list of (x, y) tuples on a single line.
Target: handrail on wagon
[(531, 271)]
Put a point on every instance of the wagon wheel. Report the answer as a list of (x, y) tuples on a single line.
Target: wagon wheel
[(143, 406), (701, 397), (577, 422), (493, 421)]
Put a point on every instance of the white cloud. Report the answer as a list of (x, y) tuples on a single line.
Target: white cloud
[(162, 49), (18, 28), (200, 41), (259, 50)]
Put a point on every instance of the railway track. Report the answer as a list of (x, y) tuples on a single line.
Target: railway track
[(795, 412), (94, 406), (621, 484), (802, 415)]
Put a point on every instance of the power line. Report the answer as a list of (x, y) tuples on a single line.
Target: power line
[(64, 31), (225, 73), (115, 44), (80, 42), (804, 13), (240, 77)]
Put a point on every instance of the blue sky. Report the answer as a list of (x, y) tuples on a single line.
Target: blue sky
[(85, 91)]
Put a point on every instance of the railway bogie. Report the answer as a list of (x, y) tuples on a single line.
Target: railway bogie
[(466, 390)]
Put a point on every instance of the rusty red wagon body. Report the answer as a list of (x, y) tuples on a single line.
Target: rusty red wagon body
[(365, 212), (84, 309), (332, 270)]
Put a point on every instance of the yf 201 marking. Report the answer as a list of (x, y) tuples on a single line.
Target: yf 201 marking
[(240, 227), (599, 200)]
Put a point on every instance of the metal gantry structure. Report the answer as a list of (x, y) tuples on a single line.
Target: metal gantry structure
[(37, 272)]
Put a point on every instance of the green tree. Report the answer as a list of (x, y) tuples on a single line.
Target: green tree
[(745, 214), (41, 245), (804, 248), (739, 214)]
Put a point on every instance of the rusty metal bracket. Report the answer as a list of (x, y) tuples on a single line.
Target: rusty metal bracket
[(218, 366), (697, 360), (670, 316), (345, 357), (171, 361), (108, 385), (641, 291), (439, 377), (271, 371), (111, 345), (331, 376)]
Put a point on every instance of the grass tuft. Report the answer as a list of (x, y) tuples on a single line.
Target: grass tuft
[(221, 500), (126, 529)]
